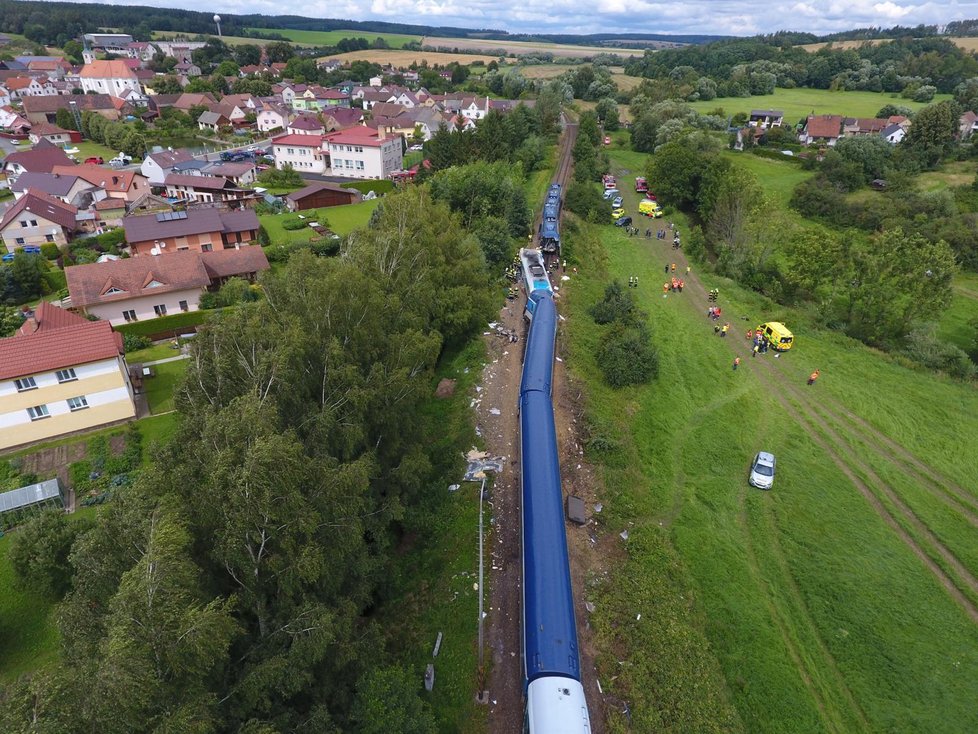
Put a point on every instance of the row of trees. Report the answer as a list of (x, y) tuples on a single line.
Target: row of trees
[(231, 588), (115, 135)]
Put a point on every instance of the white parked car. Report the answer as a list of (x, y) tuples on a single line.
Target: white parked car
[(416, 147), (762, 470)]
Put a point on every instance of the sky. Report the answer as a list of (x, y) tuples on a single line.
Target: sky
[(719, 17)]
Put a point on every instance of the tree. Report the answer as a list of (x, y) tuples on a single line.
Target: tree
[(40, 550), (626, 355), (73, 50), (247, 54), (10, 320), (676, 171), (279, 52), (167, 84), (64, 119), (933, 132), (495, 240), (584, 199), (227, 68), (618, 304), (387, 701), (607, 111)]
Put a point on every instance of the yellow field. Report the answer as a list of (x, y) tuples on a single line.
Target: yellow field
[(406, 58), (525, 47), (968, 44)]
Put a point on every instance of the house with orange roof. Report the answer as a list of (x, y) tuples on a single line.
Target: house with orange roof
[(128, 185), (109, 77), (822, 129), (36, 218), (61, 374), (361, 152)]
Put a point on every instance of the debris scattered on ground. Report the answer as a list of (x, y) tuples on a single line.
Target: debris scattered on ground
[(495, 411), (624, 534), (598, 507), (589, 606), (454, 487)]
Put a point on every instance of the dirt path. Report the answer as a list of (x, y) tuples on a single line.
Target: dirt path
[(894, 512), (500, 435)]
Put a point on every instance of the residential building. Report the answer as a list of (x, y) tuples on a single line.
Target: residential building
[(22, 87), (4, 97), (203, 189), (156, 166), (201, 230), (212, 121), (118, 184), (364, 153), (306, 125), (303, 152), (242, 174), (53, 134), (12, 122), (45, 109), (43, 157), (339, 118), (967, 124), (143, 288), (70, 189), (272, 117), (894, 133), (187, 68), (766, 118), (863, 126), (318, 195), (114, 43), (822, 129), (36, 218), (61, 374), (109, 77)]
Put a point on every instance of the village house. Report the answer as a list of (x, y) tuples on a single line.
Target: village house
[(967, 124), (60, 374), (144, 288), (156, 166), (822, 130), (272, 117), (203, 189), (212, 121), (70, 189), (852, 126), (360, 152), (893, 133), (35, 219), (53, 134), (766, 118), (21, 87), (43, 158), (12, 122), (128, 185), (306, 125), (338, 118), (109, 77), (304, 153), (242, 174), (201, 230), (45, 109)]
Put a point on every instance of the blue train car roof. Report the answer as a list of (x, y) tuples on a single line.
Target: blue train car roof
[(549, 628), (538, 360)]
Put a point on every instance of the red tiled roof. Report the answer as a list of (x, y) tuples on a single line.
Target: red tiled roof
[(56, 347), (115, 69), (302, 141), (42, 205), (824, 126), (108, 178), (225, 263), (174, 271), (359, 135), (18, 83), (47, 316), (205, 183)]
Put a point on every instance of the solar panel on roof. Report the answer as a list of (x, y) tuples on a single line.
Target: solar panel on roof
[(170, 216)]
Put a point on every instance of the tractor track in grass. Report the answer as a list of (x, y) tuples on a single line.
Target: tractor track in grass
[(819, 431)]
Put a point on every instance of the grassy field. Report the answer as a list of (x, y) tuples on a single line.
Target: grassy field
[(549, 71), (527, 47), (342, 220), (331, 38), (958, 322), (957, 173), (28, 634), (797, 610), (967, 43), (406, 58), (159, 389), (797, 104)]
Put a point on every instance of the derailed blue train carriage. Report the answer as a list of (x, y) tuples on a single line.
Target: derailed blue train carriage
[(555, 702), (535, 277), (550, 224)]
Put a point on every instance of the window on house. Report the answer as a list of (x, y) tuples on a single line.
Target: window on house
[(21, 240), (349, 164), (360, 165), (37, 412), (160, 309), (66, 375), (23, 223), (25, 383), (33, 222), (358, 149), (78, 403), (206, 247), (49, 237), (184, 306), (129, 315)]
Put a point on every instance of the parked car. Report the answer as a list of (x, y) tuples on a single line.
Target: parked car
[(618, 201), (617, 214), (95, 160), (624, 222), (121, 160), (416, 147), (762, 470), (608, 193)]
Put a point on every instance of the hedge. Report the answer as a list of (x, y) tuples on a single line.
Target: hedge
[(381, 186), (163, 324)]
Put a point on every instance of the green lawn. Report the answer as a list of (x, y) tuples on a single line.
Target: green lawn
[(957, 324), (28, 633), (777, 178), (795, 610), (159, 389), (797, 104), (151, 354), (331, 38), (957, 173), (342, 220)]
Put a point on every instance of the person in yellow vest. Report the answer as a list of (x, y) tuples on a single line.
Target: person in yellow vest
[(725, 329)]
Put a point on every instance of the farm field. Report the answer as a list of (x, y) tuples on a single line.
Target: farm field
[(406, 58), (549, 71), (967, 43), (527, 47), (809, 608), (331, 38), (797, 104)]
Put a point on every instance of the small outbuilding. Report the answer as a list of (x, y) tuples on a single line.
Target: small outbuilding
[(320, 194), (32, 497)]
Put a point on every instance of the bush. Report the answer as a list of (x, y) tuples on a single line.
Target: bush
[(925, 348), (293, 225), (381, 186), (50, 250), (617, 305), (163, 324), (626, 356), (134, 342)]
